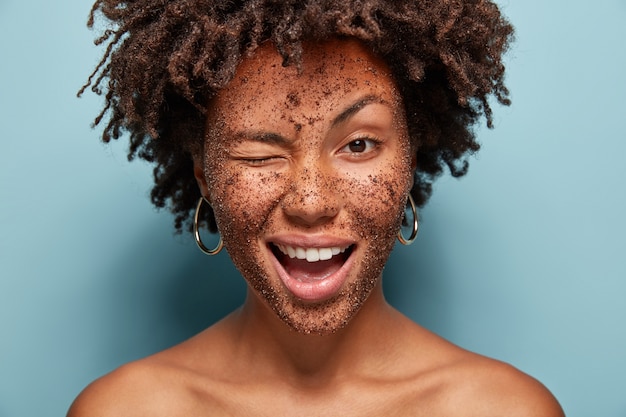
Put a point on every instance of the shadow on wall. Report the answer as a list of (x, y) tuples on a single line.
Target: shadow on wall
[(202, 291), (415, 280), (165, 292)]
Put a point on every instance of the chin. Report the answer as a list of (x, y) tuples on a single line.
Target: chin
[(327, 316), (318, 297)]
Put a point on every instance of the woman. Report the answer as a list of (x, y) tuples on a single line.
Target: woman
[(300, 131)]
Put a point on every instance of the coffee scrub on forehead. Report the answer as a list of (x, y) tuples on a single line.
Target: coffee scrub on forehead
[(164, 60), (305, 134)]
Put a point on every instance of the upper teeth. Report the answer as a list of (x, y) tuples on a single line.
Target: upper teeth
[(311, 254)]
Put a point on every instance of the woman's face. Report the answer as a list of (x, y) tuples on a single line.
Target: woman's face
[(308, 174)]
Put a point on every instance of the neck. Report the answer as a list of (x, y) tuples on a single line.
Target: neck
[(269, 345)]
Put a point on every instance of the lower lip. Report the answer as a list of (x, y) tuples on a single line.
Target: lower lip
[(318, 290)]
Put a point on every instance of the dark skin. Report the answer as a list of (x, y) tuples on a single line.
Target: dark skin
[(313, 338), (165, 59)]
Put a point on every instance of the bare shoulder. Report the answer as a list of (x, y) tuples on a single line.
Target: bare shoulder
[(442, 379), (487, 387), (133, 389), (179, 381), (149, 387)]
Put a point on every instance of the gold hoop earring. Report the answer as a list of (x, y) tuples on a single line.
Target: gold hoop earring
[(411, 238), (196, 232)]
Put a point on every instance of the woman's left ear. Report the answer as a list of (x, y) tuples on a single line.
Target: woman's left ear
[(413, 168)]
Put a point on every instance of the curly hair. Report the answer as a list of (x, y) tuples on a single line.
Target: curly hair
[(165, 59)]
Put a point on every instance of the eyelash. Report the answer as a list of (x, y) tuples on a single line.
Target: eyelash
[(372, 142), (257, 162)]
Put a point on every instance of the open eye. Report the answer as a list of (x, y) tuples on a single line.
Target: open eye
[(361, 146)]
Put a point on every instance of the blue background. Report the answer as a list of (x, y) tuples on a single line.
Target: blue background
[(522, 260)]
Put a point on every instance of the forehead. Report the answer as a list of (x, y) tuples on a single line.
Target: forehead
[(331, 72)]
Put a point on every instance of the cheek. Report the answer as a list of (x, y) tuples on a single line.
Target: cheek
[(243, 201), (377, 211), (378, 200)]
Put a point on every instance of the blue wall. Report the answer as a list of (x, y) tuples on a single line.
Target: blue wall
[(523, 260)]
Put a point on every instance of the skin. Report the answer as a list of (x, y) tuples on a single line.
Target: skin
[(331, 163), (315, 158)]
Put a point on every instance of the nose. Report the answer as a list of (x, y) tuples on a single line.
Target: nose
[(313, 197)]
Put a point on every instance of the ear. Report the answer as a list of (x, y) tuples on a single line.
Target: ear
[(198, 172), (413, 168)]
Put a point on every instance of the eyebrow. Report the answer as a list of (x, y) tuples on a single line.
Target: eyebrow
[(276, 139), (265, 137), (356, 107)]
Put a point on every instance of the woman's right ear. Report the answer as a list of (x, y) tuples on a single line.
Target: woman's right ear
[(198, 172)]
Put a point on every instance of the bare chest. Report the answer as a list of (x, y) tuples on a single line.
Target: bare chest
[(377, 400)]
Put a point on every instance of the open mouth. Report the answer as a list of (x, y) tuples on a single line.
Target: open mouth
[(308, 265)]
